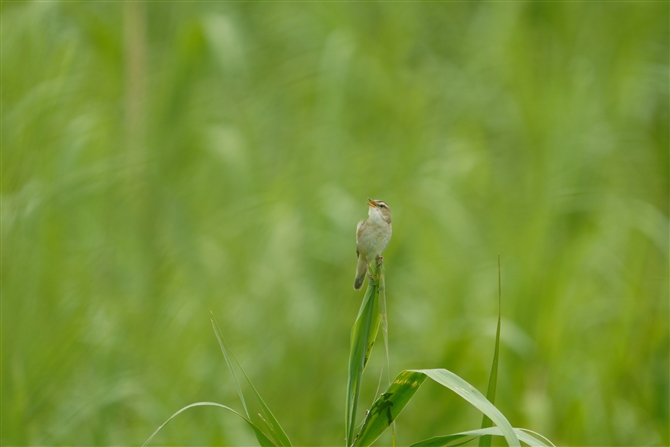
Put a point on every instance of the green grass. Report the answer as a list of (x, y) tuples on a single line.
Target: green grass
[(388, 406), (228, 173)]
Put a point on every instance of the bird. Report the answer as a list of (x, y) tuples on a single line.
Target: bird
[(372, 237)]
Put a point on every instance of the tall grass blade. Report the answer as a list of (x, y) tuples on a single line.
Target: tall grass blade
[(363, 335), (385, 332), (391, 403), (276, 431), (466, 436), (262, 439), (485, 441), (222, 345)]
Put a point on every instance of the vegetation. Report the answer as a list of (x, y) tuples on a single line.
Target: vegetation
[(164, 160), (389, 404)]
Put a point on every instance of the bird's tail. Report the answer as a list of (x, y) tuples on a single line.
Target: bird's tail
[(361, 269)]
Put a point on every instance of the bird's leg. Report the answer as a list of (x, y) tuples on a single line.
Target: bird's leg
[(380, 260)]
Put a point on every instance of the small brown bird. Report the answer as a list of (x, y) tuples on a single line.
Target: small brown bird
[(372, 237)]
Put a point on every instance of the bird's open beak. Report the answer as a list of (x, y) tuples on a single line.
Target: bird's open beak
[(372, 203)]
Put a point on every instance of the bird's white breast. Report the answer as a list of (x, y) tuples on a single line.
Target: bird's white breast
[(374, 236)]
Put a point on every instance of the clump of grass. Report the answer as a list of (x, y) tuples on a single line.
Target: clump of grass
[(388, 406)]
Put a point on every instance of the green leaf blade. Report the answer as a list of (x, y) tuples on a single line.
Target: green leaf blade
[(387, 407), (485, 441), (222, 345), (363, 335)]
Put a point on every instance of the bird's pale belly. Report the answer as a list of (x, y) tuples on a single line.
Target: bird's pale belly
[(373, 241)]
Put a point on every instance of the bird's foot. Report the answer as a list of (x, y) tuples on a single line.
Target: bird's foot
[(380, 260)]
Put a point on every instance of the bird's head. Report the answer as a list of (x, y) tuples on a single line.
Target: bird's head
[(380, 207)]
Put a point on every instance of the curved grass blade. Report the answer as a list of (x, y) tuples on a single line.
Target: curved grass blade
[(390, 404), (262, 439), (485, 441), (466, 436), (475, 398), (276, 431), (536, 435), (448, 440), (363, 335)]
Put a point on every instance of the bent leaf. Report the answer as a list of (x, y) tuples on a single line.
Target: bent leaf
[(475, 398), (391, 403)]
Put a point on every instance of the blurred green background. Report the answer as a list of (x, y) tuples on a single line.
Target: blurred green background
[(161, 160)]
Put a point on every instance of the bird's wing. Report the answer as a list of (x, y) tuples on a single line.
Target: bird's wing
[(358, 231)]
